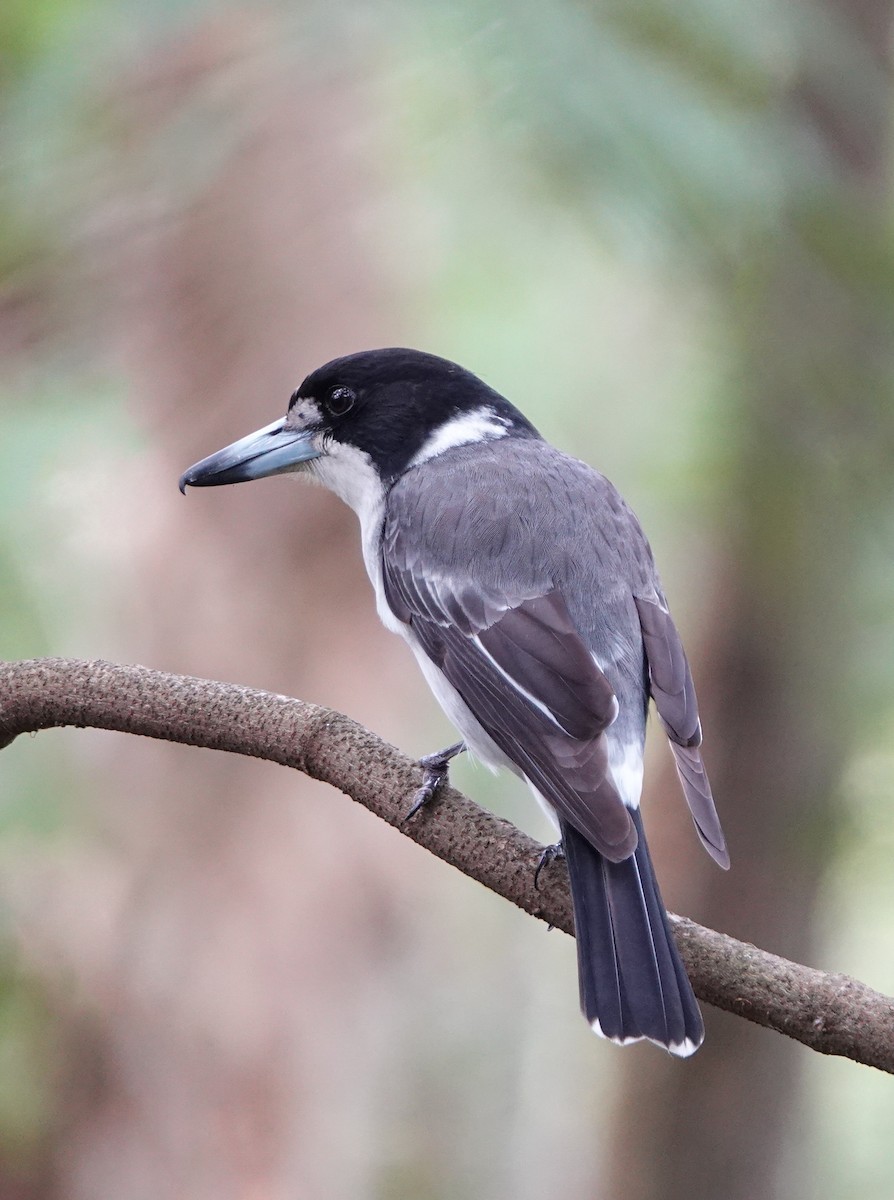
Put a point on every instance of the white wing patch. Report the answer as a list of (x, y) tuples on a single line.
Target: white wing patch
[(481, 425), (625, 765)]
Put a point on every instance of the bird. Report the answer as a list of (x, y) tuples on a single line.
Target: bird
[(529, 596)]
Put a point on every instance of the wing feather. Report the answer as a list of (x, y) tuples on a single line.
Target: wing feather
[(674, 694), (523, 670)]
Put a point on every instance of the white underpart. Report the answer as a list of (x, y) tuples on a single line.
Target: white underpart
[(350, 473), (478, 741), (548, 809), (481, 425)]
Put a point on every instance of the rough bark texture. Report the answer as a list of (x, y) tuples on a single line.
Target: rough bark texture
[(832, 1014)]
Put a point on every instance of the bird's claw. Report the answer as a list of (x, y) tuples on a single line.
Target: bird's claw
[(548, 855), (434, 772)]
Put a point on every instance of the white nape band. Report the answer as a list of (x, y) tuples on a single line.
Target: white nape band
[(481, 425)]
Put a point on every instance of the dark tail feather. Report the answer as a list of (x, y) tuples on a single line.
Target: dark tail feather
[(632, 982)]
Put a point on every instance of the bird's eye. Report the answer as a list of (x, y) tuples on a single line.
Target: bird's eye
[(340, 400)]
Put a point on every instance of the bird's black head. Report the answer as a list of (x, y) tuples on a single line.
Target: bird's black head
[(393, 404), (378, 412)]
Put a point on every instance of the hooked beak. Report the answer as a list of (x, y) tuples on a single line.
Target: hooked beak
[(272, 450)]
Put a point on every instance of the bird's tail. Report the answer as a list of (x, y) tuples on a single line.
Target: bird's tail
[(632, 982)]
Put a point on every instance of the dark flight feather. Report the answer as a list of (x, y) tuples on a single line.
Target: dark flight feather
[(631, 978), (674, 694), (551, 718)]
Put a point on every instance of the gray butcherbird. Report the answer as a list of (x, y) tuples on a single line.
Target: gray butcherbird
[(529, 596)]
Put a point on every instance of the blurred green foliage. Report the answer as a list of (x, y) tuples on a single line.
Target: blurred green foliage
[(27, 1070)]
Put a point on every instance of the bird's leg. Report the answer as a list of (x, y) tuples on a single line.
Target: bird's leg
[(549, 855), (434, 772)]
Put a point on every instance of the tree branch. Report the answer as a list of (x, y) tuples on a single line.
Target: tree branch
[(832, 1014)]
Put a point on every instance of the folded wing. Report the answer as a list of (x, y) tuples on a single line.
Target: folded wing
[(521, 667)]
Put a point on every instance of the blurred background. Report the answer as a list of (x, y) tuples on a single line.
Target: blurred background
[(663, 229)]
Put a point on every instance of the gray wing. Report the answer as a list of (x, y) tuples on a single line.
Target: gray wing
[(521, 667), (674, 694)]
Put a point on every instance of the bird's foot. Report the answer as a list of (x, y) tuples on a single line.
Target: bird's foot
[(549, 855), (434, 772)]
